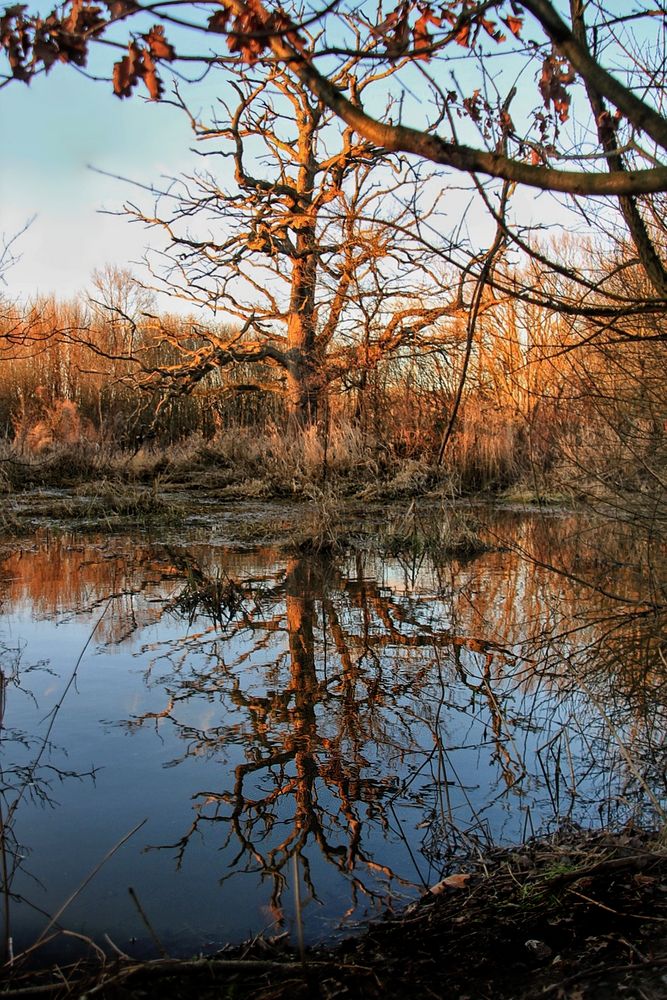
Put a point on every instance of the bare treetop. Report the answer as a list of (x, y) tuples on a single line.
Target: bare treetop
[(566, 98)]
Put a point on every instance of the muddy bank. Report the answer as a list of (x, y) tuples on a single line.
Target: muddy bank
[(580, 916)]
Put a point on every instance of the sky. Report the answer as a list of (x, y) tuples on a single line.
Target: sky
[(57, 130)]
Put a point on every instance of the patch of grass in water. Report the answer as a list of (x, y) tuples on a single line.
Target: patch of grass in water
[(438, 535), (116, 502), (101, 505), (522, 493), (322, 529)]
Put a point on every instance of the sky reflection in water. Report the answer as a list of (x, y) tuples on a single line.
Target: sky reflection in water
[(377, 718)]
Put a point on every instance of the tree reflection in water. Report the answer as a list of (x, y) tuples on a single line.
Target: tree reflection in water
[(356, 702), (380, 719)]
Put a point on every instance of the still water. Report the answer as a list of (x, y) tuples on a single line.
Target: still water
[(362, 722)]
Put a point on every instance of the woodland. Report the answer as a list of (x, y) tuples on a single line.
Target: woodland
[(424, 256)]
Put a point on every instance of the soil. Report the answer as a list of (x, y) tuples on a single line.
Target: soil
[(579, 916)]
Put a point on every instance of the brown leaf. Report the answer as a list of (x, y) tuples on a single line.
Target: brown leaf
[(15, 40), (515, 24), (83, 17), (422, 37), (150, 77), (248, 36), (121, 8), (126, 72), (556, 75), (385, 26), (472, 106), (491, 29), (14, 11), (462, 36), (218, 21), (395, 29), (158, 45), (459, 881), (45, 51)]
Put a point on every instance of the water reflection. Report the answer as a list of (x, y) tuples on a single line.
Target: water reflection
[(374, 719)]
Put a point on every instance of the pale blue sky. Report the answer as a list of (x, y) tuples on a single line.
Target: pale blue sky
[(55, 129)]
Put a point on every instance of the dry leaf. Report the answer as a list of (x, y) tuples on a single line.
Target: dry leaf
[(150, 77), (420, 33), (515, 24), (459, 881), (126, 72), (158, 45)]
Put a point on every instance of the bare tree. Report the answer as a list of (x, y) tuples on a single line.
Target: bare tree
[(315, 258)]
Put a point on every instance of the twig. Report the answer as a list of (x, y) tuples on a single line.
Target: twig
[(142, 913), (297, 907), (603, 970), (168, 966), (112, 944), (617, 913), (89, 941)]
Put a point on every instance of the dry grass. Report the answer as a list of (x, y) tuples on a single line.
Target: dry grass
[(438, 534)]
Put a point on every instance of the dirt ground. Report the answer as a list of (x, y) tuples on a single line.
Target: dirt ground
[(579, 916)]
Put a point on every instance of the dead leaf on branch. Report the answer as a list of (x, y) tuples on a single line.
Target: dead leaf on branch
[(141, 64), (126, 72), (121, 8), (557, 74), (248, 36), (420, 33), (158, 45), (395, 30), (462, 36), (150, 77), (474, 106), (45, 51), (466, 26), (31, 42), (515, 24), (15, 40), (492, 30), (83, 18), (218, 21)]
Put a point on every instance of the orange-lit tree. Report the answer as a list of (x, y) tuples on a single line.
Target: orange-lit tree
[(316, 256)]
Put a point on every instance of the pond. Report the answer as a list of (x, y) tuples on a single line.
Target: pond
[(237, 735)]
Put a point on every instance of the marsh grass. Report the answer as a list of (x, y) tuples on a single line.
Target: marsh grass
[(239, 463), (438, 533), (217, 598), (323, 528), (102, 505), (118, 502)]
